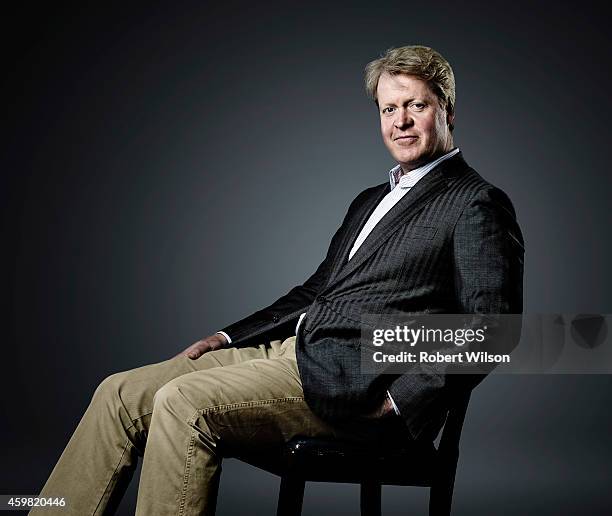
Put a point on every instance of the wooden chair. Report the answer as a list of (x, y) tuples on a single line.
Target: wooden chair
[(306, 459)]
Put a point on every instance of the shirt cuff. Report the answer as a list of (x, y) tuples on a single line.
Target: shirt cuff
[(393, 404), (229, 340), (297, 326)]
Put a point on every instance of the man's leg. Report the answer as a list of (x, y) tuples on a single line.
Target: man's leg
[(100, 458), (196, 416)]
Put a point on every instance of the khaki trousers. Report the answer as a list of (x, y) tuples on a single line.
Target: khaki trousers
[(185, 411)]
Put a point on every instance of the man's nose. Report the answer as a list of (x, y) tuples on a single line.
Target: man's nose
[(403, 119)]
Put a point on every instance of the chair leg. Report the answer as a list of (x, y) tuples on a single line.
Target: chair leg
[(441, 498), (291, 496), (370, 498)]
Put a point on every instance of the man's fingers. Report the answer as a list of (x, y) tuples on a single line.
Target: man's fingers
[(197, 350), (193, 351)]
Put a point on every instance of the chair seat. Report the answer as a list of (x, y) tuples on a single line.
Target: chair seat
[(328, 460), (393, 461)]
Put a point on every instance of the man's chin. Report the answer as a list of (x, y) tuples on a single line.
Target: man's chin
[(410, 162)]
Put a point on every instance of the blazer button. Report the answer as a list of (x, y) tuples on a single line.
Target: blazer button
[(275, 318)]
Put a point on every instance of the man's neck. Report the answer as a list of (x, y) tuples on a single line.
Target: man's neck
[(406, 168)]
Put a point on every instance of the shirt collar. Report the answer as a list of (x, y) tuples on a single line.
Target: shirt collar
[(412, 178)]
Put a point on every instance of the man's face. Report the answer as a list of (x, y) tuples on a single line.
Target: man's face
[(414, 126)]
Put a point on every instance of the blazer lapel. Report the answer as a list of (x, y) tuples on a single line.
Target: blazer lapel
[(408, 206), (355, 225)]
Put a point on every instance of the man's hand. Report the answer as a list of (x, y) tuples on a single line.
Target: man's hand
[(197, 349), (385, 410)]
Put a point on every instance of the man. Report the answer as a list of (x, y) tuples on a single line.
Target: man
[(435, 238)]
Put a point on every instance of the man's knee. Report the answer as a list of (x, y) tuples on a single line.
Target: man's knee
[(111, 387), (164, 396), (118, 399), (175, 397)]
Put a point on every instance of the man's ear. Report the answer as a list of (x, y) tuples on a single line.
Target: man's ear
[(450, 120)]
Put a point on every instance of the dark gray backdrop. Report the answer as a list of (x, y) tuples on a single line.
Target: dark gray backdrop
[(168, 170)]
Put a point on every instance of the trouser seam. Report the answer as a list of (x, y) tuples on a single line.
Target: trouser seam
[(186, 474), (136, 419), (127, 444), (230, 406)]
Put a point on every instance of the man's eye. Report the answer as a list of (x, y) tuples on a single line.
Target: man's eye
[(419, 106), (387, 110)]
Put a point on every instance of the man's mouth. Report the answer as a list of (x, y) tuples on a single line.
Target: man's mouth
[(406, 137)]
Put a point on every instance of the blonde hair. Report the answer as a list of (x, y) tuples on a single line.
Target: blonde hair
[(422, 62)]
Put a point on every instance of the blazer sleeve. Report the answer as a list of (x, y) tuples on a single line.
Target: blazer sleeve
[(487, 249), (279, 319)]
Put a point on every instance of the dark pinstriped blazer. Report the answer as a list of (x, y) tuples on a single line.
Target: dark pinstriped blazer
[(450, 245)]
